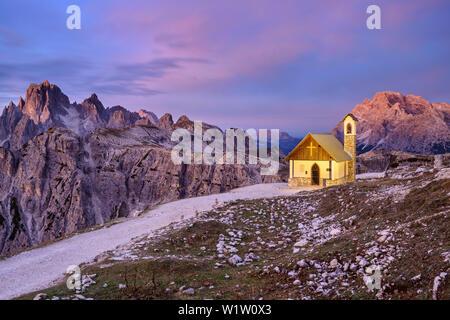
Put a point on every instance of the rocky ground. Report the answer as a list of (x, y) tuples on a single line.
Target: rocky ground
[(333, 243)]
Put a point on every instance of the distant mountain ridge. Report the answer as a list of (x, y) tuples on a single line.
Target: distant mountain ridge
[(287, 142), (389, 121), (46, 106), (392, 121)]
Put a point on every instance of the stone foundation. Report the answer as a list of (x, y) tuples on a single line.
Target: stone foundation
[(298, 182)]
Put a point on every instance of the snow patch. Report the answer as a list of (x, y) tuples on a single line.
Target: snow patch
[(371, 175)]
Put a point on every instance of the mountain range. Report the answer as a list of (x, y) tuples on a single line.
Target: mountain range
[(65, 167), (68, 166)]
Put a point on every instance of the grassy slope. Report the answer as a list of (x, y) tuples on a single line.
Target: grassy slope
[(413, 212)]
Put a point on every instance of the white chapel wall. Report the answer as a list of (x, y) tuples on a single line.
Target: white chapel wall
[(303, 166)]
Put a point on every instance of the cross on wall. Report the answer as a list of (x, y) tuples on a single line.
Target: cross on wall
[(311, 147)]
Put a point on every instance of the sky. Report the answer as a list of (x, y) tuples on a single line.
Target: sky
[(295, 65)]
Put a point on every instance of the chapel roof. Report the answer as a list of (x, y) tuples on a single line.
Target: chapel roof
[(328, 142)]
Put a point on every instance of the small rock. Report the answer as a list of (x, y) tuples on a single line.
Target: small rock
[(415, 278), (189, 291), (301, 243), (40, 296), (302, 263), (335, 232), (292, 274), (234, 260), (363, 262), (334, 263)]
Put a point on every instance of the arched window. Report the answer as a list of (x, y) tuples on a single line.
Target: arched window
[(349, 128)]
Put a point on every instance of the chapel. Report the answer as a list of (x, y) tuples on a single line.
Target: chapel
[(321, 159)]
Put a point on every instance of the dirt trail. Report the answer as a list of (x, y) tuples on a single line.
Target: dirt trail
[(41, 267)]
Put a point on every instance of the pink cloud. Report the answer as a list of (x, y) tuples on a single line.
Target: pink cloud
[(242, 38), (276, 33)]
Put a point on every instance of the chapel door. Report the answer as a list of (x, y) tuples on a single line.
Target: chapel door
[(315, 174)]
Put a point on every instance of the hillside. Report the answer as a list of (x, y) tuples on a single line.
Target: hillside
[(65, 167), (60, 183), (312, 245)]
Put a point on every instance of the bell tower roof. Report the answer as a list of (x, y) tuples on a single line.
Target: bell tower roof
[(350, 115)]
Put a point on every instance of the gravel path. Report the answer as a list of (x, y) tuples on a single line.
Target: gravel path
[(41, 267)]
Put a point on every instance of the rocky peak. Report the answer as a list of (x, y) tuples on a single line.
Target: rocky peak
[(93, 108), (45, 106), (165, 122), (94, 100), (119, 117), (8, 120), (404, 123), (184, 122), (153, 119), (21, 103), (116, 118), (44, 101), (388, 98), (11, 111), (417, 105)]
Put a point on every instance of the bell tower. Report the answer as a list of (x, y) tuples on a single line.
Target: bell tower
[(350, 143)]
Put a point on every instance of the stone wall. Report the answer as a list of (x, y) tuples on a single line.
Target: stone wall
[(299, 181)]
